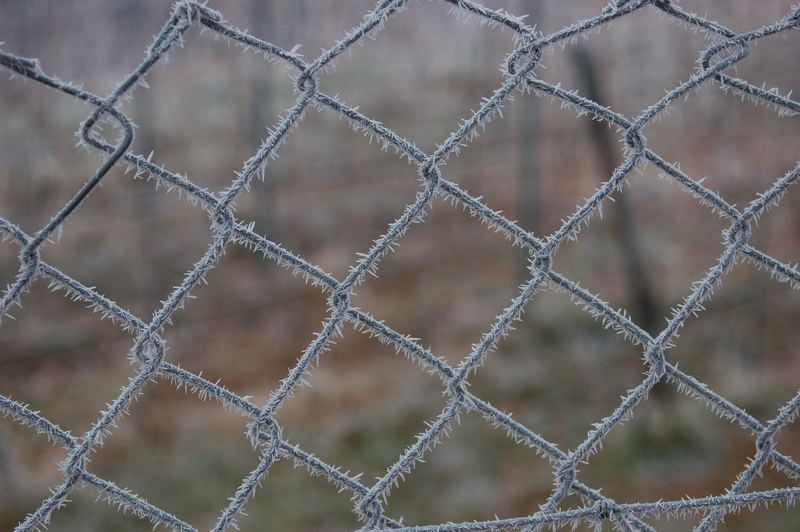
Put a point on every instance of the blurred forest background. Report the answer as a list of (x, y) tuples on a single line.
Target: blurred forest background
[(328, 195)]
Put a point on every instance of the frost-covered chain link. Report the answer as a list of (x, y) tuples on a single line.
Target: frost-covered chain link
[(148, 351)]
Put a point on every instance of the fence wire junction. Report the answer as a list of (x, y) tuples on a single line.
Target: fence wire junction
[(148, 352)]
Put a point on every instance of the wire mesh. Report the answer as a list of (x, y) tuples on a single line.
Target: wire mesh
[(148, 352)]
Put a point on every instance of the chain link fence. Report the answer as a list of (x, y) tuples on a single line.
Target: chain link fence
[(726, 48)]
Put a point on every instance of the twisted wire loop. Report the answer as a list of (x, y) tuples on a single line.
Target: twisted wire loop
[(148, 352)]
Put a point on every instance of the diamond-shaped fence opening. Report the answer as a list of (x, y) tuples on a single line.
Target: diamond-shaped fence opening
[(506, 478), (443, 292), (673, 240), (239, 296), (473, 51), (203, 446), (304, 197), (582, 368), (759, 363), (571, 498), (360, 424), (59, 358)]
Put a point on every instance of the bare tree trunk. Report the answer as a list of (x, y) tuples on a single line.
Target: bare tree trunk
[(19, 186), (530, 177), (9, 484), (146, 198), (258, 114), (640, 292), (530, 193)]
